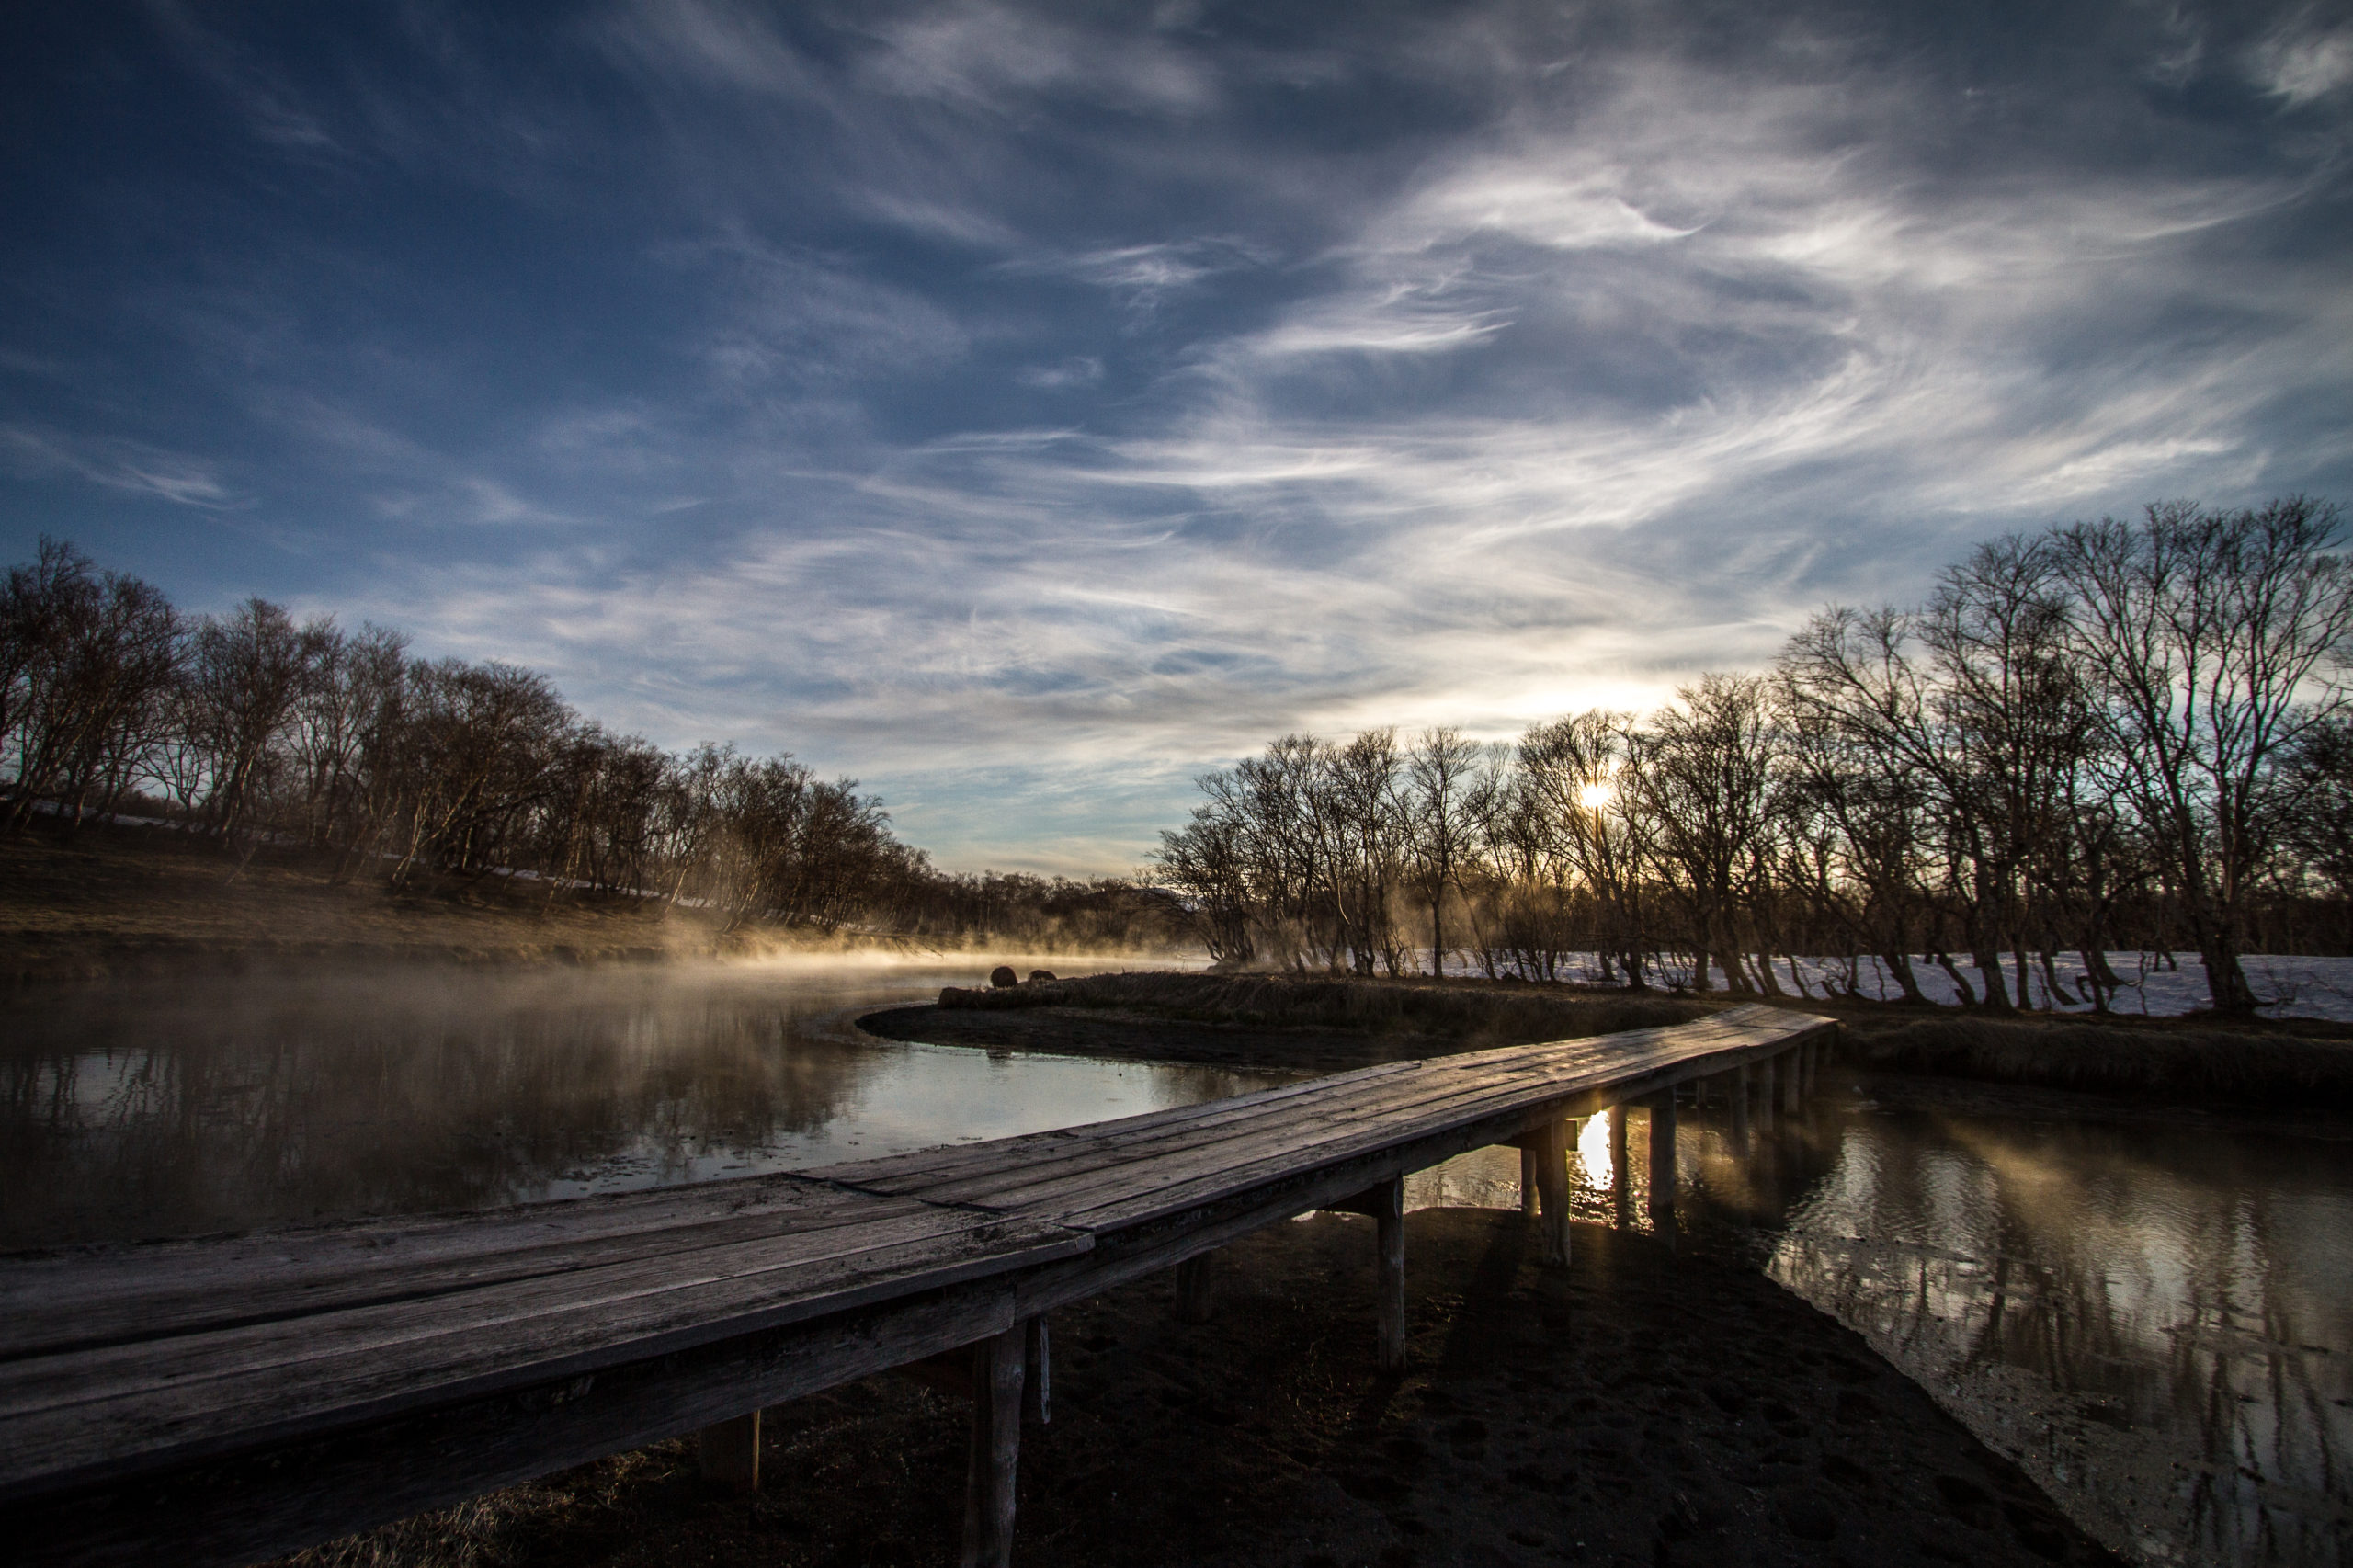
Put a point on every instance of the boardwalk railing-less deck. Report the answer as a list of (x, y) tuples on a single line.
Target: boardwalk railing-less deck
[(217, 1401)]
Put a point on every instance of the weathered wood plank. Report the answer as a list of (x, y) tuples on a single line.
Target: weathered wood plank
[(48, 1305), (1106, 1197), (1084, 1186), (271, 1499), (85, 1417), (976, 1169)]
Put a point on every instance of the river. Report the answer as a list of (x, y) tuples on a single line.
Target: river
[(2152, 1312)]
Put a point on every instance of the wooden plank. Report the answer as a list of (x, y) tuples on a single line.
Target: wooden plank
[(924, 1166), (938, 1172), (84, 1417), (48, 1305), (271, 1499), (1173, 1180), (1405, 1107)]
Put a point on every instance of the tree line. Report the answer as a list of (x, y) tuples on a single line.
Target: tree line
[(256, 731), (2110, 735)]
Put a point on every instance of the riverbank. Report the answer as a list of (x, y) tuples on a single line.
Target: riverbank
[(1641, 1407), (113, 901), (1328, 1024)]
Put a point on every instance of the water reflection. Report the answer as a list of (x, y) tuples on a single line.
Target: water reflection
[(181, 1108), (2156, 1320)]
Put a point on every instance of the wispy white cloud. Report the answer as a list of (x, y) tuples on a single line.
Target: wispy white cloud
[(2305, 59), (1024, 409), (113, 463), (997, 58)]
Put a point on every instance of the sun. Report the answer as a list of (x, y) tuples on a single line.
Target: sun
[(1593, 797)]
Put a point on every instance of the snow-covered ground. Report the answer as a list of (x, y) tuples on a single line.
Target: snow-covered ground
[(2297, 987)]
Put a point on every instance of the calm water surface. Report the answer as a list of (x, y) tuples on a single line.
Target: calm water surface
[(2153, 1317), (157, 1109)]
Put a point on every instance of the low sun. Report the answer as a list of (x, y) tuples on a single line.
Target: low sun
[(1593, 797)]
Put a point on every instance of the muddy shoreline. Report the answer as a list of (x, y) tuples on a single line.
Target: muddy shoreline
[(1641, 1407)]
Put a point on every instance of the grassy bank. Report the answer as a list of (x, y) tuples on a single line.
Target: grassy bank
[(108, 901), (1469, 1011), (2185, 1061), (2192, 1059)]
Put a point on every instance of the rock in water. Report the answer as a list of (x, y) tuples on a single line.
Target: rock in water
[(1042, 974), (1003, 976)]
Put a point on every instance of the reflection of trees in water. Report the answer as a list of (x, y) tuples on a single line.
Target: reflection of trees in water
[(215, 1106), (2155, 1299)]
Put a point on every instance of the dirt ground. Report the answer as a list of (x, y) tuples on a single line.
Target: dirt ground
[(108, 902), (1641, 1407)]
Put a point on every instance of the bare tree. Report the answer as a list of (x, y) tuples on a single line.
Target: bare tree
[(2209, 632), (1706, 778), (1442, 820)]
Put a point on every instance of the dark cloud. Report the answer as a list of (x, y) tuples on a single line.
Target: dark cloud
[(1026, 407)]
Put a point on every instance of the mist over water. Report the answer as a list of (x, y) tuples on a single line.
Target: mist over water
[(181, 1108)]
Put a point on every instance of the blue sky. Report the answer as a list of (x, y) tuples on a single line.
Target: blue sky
[(1023, 409)]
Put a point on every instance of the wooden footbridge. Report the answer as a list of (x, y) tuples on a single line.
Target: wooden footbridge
[(221, 1401)]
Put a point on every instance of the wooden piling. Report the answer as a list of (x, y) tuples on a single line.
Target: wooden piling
[(1527, 1181), (1621, 1179), (1740, 1092), (1547, 1150), (1389, 1246), (1767, 1093), (995, 1456), (728, 1453), (1196, 1292), (1792, 1093), (1039, 1386), (1662, 1161)]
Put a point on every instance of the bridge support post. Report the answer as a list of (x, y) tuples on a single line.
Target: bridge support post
[(1740, 1107), (1663, 1161), (1039, 1388), (1792, 1093), (1768, 1093), (1196, 1292), (995, 1453), (1388, 1206), (1621, 1179), (1544, 1155), (728, 1453)]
